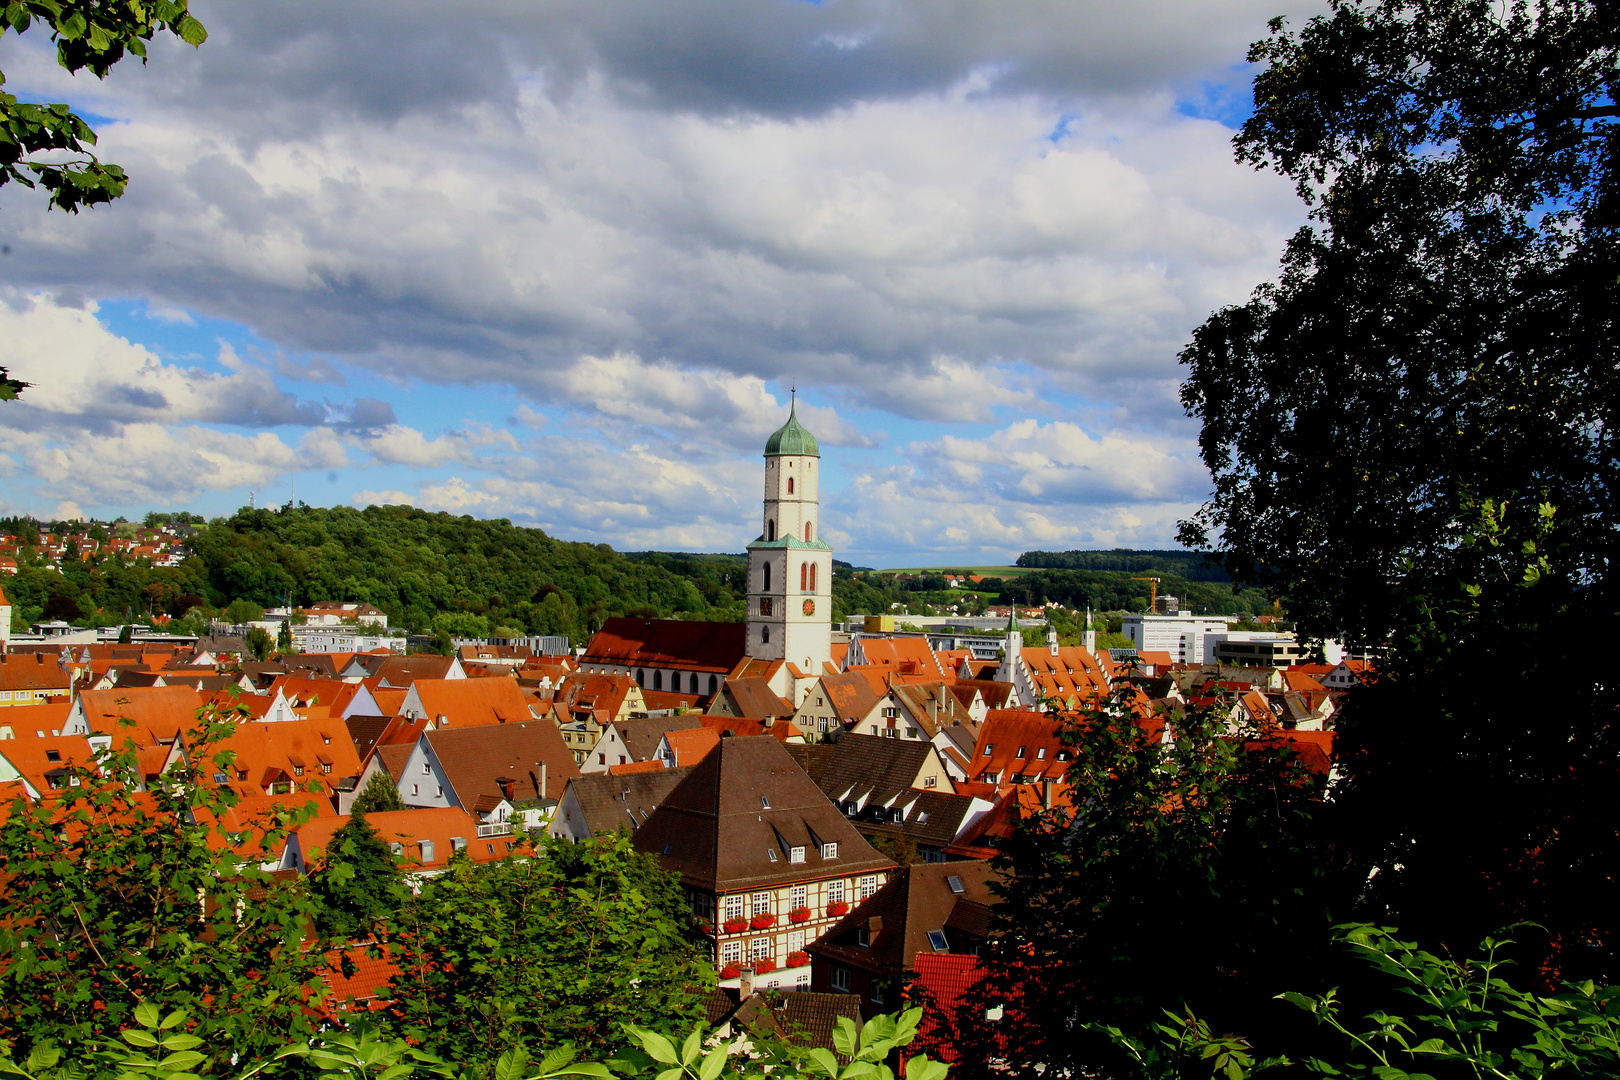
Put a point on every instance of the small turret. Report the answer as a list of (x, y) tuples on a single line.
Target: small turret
[(1088, 639)]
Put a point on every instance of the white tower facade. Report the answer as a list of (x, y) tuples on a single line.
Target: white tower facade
[(790, 566)]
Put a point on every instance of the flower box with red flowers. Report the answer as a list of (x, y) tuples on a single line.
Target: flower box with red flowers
[(730, 971), (762, 965), (798, 959), (735, 926), (762, 922), (837, 907), (799, 914)]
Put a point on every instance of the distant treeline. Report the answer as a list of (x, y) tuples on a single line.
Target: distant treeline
[(1187, 565)]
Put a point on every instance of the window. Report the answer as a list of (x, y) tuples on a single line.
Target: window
[(954, 883), (764, 802), (807, 532), (804, 577), (694, 683), (326, 766), (840, 979), (734, 906), (823, 722), (930, 781), (936, 940), (1040, 755), (768, 565), (891, 713), (770, 853), (765, 634), (730, 952), (441, 791), (988, 748), (812, 577), (241, 774), (863, 937), (760, 948), (220, 778), (795, 854), (416, 789), (829, 850), (658, 680), (868, 886), (298, 770), (835, 892), (397, 848), (790, 485), (799, 895), (713, 684), (1063, 755), (427, 850), (53, 755), (601, 759), (762, 903), (770, 534), (427, 768), (1020, 753)]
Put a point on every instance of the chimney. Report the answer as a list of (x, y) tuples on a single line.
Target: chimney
[(542, 767), (745, 982), (1046, 794)]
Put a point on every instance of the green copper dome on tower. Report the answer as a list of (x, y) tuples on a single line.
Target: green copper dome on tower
[(791, 438)]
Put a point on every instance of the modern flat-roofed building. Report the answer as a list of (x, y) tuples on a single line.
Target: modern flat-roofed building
[(1182, 636)]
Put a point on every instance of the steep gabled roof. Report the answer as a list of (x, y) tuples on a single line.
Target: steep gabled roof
[(402, 671), (33, 671), (734, 821), (1018, 742), (472, 702), (920, 899), (439, 826), (44, 719), (44, 762), (754, 699), (850, 695), (668, 643), (640, 738), (864, 768), (476, 759), (316, 756), (159, 713), (624, 802)]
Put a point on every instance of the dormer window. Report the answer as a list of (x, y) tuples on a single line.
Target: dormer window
[(53, 755), (829, 850), (796, 854), (1020, 753)]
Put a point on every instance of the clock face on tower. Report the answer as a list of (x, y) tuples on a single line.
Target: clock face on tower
[(809, 607)]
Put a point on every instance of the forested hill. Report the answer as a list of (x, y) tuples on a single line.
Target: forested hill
[(475, 578), (460, 574), (1187, 565)]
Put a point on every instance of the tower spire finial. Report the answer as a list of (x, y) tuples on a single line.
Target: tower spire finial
[(793, 397)]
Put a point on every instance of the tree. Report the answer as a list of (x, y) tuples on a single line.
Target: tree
[(258, 642), (125, 635), (239, 611), (284, 640), (1411, 435), (1188, 875), (117, 897), (356, 882), (378, 794), (89, 35), (563, 946)]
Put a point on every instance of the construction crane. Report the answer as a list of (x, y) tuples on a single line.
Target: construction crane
[(1153, 592)]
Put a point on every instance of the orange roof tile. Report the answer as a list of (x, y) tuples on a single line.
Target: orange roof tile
[(459, 703), (159, 713), (650, 765), (691, 745)]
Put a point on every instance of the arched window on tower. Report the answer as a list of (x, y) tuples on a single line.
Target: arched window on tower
[(765, 634), (790, 485), (767, 577), (812, 577), (694, 683), (807, 536), (770, 530), (658, 680), (714, 684), (804, 577)]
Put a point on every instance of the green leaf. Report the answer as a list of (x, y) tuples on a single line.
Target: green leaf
[(147, 1015), (138, 1037), (692, 1047), (845, 1038), (713, 1064), (661, 1049), (823, 1058), (191, 31), (512, 1064)]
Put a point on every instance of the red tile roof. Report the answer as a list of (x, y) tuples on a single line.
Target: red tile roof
[(668, 643), (159, 713), (692, 745)]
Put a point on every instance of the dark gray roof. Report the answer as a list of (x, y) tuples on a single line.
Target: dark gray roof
[(930, 818), (744, 802), (476, 759), (864, 768), (623, 803), (802, 1017)]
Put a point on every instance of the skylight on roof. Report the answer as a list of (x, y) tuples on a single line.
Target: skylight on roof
[(936, 939), (765, 802), (955, 884), (771, 852)]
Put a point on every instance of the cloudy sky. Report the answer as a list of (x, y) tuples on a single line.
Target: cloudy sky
[(561, 262)]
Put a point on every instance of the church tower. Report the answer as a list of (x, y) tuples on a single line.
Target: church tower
[(790, 566)]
